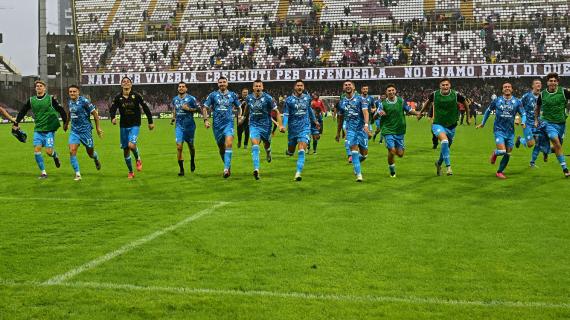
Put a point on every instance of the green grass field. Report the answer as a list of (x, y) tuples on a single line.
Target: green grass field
[(416, 247)]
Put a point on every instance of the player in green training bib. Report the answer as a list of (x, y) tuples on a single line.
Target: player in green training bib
[(45, 109), (445, 116), (552, 103), (392, 111)]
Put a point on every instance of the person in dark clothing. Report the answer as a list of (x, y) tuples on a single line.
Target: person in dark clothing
[(129, 104), (243, 126)]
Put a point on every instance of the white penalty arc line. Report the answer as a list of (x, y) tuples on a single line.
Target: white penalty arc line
[(297, 295), (181, 200), (130, 246)]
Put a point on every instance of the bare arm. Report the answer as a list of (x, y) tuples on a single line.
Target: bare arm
[(340, 119), (7, 115), (97, 123), (424, 107)]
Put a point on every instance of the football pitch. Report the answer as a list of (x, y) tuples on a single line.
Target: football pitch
[(418, 246)]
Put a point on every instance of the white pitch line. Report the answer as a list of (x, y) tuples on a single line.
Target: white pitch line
[(297, 295), (130, 246), (181, 200)]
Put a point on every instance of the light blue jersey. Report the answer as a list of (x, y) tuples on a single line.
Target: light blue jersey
[(529, 105), (221, 105), (297, 112), (370, 101), (351, 109), (181, 114), (505, 110), (80, 114), (260, 110)]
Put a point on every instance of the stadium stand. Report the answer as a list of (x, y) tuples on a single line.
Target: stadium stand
[(208, 33)]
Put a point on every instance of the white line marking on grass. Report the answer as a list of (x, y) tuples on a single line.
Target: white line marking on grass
[(106, 200), (130, 246), (296, 295)]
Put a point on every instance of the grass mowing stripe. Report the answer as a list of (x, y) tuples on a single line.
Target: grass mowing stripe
[(295, 295), (104, 200), (129, 246)]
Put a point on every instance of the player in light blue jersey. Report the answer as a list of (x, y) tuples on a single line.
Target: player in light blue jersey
[(354, 109), (184, 108), (221, 103), (533, 136), (298, 117), (506, 108), (371, 105), (80, 111), (259, 106)]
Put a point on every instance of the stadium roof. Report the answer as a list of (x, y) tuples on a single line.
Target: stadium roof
[(8, 72)]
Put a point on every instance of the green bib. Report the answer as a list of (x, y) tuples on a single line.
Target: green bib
[(394, 122), (446, 112), (45, 116), (553, 106)]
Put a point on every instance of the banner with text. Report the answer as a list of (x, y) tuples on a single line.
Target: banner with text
[(508, 70)]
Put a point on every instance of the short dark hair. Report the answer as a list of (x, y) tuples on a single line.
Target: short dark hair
[(552, 75), (222, 78), (505, 82), (390, 85), (347, 80), (258, 81), (536, 79), (184, 83), (125, 77), (444, 79), (364, 85), (74, 86), (299, 80)]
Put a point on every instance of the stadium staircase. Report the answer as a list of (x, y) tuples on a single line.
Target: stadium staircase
[(181, 14), (467, 8), (325, 56), (150, 11), (282, 10), (429, 5), (111, 16), (320, 5)]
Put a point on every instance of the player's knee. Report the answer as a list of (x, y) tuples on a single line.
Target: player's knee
[(400, 153), (179, 147), (530, 143), (132, 146), (49, 151)]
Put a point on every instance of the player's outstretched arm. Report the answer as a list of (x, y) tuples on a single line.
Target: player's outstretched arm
[(521, 111), (6, 115), (22, 113), (339, 121), (537, 110), (113, 111), (61, 111), (173, 119), (205, 116), (467, 104), (279, 121), (485, 116), (146, 110), (97, 123), (366, 120), (423, 109)]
